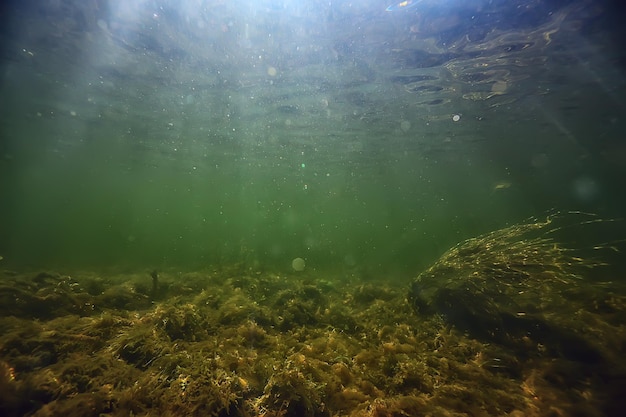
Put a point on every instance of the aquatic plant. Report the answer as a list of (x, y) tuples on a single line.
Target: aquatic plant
[(231, 342), (514, 283)]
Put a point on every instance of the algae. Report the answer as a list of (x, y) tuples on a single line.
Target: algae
[(239, 342)]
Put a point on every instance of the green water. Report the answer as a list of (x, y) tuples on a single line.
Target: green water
[(245, 133), (312, 208)]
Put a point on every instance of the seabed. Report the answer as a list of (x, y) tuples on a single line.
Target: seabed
[(233, 341)]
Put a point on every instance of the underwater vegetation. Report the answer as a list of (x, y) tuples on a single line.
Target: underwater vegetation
[(520, 282), (509, 323)]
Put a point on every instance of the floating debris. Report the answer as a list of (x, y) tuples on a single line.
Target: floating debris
[(403, 5), (501, 185)]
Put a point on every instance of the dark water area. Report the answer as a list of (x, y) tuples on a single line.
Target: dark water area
[(353, 208)]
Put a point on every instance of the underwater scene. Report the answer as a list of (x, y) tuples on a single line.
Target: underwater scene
[(312, 208)]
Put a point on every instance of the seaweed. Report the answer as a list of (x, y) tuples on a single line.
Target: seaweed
[(234, 342)]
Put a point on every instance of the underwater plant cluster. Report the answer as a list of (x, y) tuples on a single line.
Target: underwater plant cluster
[(238, 342)]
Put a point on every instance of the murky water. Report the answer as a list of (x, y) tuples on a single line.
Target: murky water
[(224, 140)]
